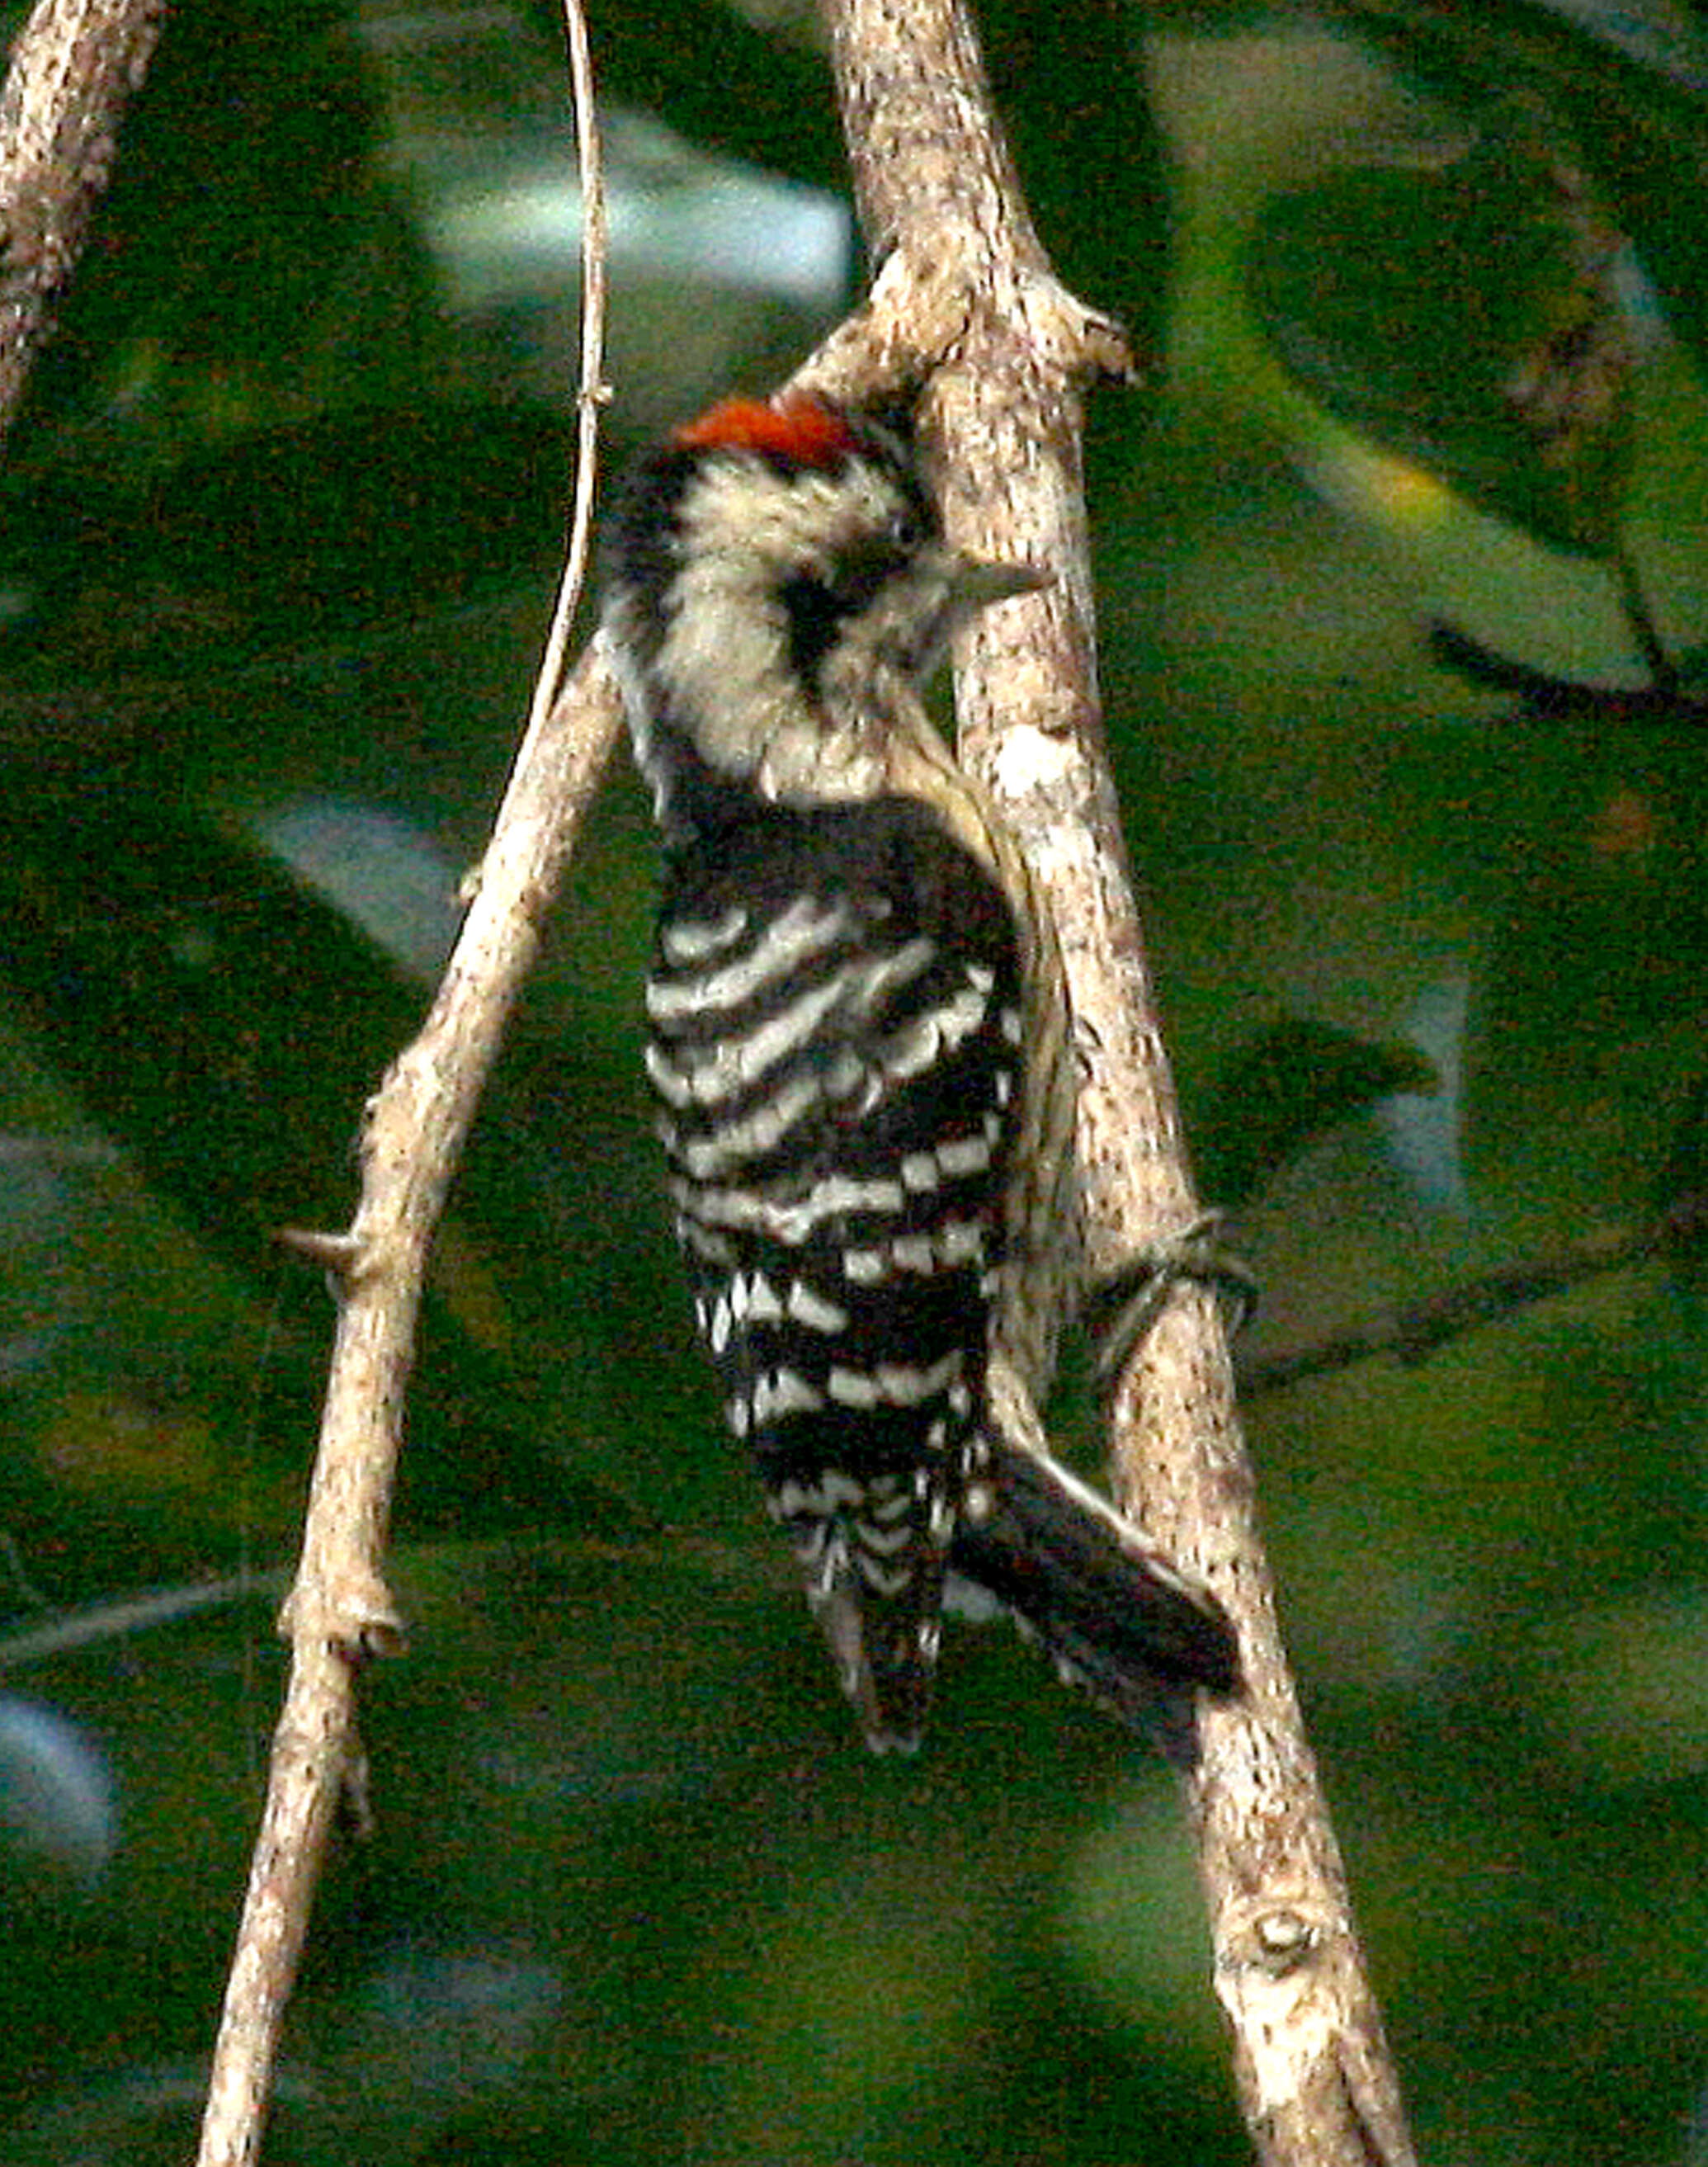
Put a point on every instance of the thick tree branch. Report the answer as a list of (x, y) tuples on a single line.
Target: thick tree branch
[(72, 67), (965, 303)]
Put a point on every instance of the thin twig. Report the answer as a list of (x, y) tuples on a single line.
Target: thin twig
[(1413, 1333), (1558, 699), (339, 1609), (966, 304), (73, 66), (1663, 670), (593, 394), (62, 1634)]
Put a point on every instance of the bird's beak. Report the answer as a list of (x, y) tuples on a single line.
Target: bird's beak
[(977, 583)]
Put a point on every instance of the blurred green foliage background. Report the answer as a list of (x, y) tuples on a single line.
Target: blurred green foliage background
[(1423, 291)]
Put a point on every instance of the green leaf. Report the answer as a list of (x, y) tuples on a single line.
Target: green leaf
[(1282, 1090), (1465, 317)]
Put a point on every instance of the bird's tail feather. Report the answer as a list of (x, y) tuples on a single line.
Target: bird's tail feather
[(1102, 1601)]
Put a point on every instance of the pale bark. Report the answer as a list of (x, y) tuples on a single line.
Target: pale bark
[(71, 69), (965, 304)]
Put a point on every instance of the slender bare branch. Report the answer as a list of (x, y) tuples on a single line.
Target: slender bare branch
[(339, 1609), (1416, 1331), (965, 303), (73, 65), (594, 393)]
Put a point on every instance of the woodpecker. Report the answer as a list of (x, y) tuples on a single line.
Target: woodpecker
[(859, 1046)]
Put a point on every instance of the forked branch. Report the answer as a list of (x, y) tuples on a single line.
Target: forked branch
[(966, 307)]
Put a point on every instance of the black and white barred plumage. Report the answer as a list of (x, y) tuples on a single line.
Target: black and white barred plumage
[(858, 1039)]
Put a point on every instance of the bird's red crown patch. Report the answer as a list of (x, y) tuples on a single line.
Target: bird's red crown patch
[(798, 429)]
